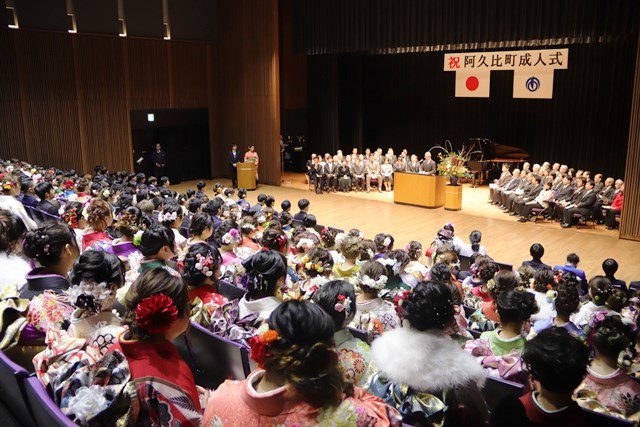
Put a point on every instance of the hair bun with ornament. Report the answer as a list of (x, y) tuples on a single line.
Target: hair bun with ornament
[(156, 313)]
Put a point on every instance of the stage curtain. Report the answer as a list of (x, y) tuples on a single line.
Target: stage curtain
[(398, 26)]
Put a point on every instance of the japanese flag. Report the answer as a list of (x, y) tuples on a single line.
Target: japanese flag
[(533, 83), (473, 83)]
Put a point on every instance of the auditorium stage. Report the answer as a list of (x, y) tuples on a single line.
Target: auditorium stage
[(506, 239)]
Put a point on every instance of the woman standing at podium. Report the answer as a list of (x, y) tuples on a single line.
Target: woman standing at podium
[(252, 157)]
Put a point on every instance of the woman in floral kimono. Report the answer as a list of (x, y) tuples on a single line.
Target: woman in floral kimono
[(338, 299), (298, 382)]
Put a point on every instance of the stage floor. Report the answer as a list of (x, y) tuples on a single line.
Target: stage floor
[(506, 239)]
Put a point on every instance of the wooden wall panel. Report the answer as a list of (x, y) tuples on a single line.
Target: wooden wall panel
[(12, 144), (48, 95), (100, 72), (249, 101), (188, 75), (148, 73), (630, 220)]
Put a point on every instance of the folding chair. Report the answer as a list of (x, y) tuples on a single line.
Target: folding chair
[(45, 410), (496, 389), (584, 221), (12, 393)]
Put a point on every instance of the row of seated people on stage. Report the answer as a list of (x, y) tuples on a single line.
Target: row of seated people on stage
[(96, 299), (557, 193), (359, 171)]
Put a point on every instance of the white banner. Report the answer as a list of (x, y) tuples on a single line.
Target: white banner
[(533, 71), (473, 84), (533, 84), (551, 59)]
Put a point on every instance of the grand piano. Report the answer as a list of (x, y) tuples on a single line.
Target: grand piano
[(488, 156)]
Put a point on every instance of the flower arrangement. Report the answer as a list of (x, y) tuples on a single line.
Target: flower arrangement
[(312, 264), (232, 236), (156, 313), (452, 164), (343, 304), (205, 264), (372, 283), (260, 343)]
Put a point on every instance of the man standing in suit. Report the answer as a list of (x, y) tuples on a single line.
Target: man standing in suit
[(428, 166), (159, 160), (233, 158), (583, 207)]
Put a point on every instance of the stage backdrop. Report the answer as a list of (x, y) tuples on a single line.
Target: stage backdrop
[(407, 100)]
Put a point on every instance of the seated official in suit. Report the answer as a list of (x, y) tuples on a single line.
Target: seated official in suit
[(583, 207), (605, 197), (526, 187), (373, 172), (578, 191), (358, 172), (510, 184), (529, 196), (500, 183), (540, 202), (428, 165)]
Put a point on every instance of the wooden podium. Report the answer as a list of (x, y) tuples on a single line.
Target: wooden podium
[(418, 189), (247, 175)]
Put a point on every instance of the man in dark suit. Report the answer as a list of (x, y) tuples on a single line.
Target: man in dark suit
[(578, 190), (45, 192), (303, 205), (159, 161), (331, 174), (26, 197), (428, 165), (529, 196), (233, 158), (509, 184), (317, 174), (583, 207)]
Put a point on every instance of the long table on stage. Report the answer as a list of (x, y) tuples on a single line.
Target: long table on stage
[(418, 189)]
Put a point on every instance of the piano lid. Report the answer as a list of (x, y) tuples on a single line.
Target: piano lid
[(492, 152)]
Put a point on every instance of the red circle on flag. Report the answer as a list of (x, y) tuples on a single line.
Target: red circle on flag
[(472, 83)]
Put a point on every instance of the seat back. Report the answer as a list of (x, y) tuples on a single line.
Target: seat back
[(465, 263), (604, 420), (212, 359), (45, 410), (468, 311), (336, 230), (360, 334), (229, 291), (297, 223), (497, 389), (504, 266), (12, 395), (318, 228)]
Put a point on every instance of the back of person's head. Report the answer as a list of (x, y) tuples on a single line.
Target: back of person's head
[(194, 204), (567, 299), (573, 259), (310, 221), (394, 261), (200, 223), (201, 262), (328, 237), (318, 262), (414, 250), (525, 274), (503, 280), (98, 213), (305, 241), (46, 243), (610, 334), (599, 289), (213, 206), (146, 206), (486, 270), (543, 280), (303, 204), (372, 277), (248, 224), (42, 189), (429, 306), (516, 306), (475, 237), (338, 299), (368, 249), (130, 221), (285, 205), (617, 300), (242, 193), (537, 251), (274, 239), (155, 238), (285, 218), (303, 353), (265, 269), (155, 288), (26, 185), (350, 247), (224, 234), (95, 277), (200, 185), (12, 231), (261, 198), (269, 201), (440, 272), (170, 213), (610, 267), (383, 242), (557, 360)]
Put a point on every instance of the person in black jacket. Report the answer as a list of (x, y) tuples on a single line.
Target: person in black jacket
[(584, 206), (45, 192), (159, 160), (233, 158)]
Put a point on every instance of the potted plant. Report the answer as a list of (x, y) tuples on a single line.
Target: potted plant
[(453, 164)]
